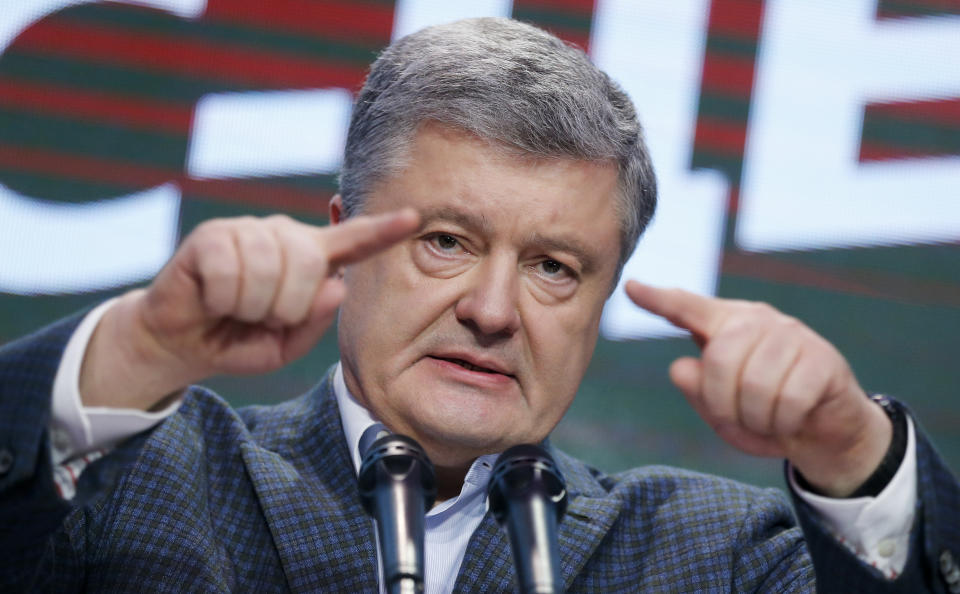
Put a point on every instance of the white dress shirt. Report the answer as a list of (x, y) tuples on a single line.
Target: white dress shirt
[(877, 528), (450, 523)]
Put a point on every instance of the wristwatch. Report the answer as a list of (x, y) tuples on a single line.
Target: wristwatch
[(884, 473)]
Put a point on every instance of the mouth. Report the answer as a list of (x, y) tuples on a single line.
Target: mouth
[(470, 366)]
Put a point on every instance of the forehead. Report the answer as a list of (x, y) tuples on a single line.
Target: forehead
[(454, 175)]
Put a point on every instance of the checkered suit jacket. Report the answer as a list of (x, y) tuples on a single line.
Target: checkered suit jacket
[(264, 499)]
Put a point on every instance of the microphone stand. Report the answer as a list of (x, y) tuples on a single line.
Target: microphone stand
[(397, 487), (528, 496)]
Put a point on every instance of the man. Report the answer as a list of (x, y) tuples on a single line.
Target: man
[(494, 184)]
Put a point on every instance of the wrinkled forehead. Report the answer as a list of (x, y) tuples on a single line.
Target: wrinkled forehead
[(556, 203), (496, 152), (506, 156)]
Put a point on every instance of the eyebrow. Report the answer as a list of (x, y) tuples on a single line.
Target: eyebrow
[(578, 249), (446, 213)]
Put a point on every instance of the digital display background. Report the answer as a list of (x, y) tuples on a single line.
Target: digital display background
[(808, 153)]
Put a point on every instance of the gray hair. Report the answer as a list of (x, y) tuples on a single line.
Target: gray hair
[(506, 82)]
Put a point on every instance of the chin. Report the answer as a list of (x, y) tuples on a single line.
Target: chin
[(455, 444), (455, 422)]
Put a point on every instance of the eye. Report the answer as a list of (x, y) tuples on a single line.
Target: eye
[(441, 254), (445, 243), (553, 270)]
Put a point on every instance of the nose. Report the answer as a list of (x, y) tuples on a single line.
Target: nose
[(489, 304)]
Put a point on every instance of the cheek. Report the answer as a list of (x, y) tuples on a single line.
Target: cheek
[(566, 325), (559, 376), (391, 303), (372, 304), (561, 340), (379, 280)]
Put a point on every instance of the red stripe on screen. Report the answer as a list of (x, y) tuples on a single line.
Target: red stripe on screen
[(324, 18), (81, 167), (842, 280), (923, 7), (579, 7), (190, 57), (728, 74), (722, 136), (263, 194), (874, 151), (259, 193), (938, 111), (96, 107), (736, 18)]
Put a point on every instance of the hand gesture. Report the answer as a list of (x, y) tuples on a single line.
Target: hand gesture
[(770, 386), (239, 296)]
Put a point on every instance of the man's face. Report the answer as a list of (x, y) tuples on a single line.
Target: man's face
[(474, 334)]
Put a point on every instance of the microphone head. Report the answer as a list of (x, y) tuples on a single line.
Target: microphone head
[(522, 472), (394, 456)]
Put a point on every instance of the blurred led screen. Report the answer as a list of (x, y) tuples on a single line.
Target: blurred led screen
[(807, 152)]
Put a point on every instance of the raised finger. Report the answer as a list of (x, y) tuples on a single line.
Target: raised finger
[(362, 236), (696, 313)]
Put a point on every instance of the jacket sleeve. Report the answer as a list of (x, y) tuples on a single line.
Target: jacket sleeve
[(30, 508), (934, 538)]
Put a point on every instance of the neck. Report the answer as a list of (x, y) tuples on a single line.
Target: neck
[(449, 481)]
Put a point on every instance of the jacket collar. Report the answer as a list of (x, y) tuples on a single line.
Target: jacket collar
[(304, 477), (488, 563)]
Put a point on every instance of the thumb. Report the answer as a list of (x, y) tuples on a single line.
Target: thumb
[(686, 373)]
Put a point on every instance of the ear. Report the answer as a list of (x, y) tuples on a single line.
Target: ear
[(336, 210), (336, 217)]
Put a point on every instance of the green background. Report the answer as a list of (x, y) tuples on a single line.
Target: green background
[(893, 311)]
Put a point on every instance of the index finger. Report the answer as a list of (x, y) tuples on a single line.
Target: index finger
[(362, 236), (696, 313)]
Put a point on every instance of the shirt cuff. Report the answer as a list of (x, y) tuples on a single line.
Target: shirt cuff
[(76, 429), (876, 529)]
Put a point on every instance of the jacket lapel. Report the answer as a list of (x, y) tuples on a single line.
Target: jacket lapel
[(307, 490), (488, 563), (587, 522)]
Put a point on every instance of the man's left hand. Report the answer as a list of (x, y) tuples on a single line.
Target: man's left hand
[(771, 386)]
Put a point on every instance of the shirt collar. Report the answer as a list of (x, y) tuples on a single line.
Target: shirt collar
[(356, 420)]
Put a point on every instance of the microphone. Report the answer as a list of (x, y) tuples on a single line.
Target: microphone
[(528, 495), (397, 487)]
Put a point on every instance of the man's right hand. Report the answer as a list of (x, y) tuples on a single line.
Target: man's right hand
[(239, 296)]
